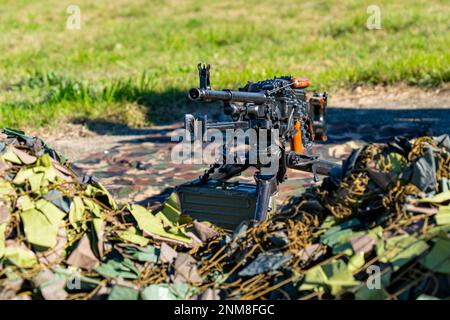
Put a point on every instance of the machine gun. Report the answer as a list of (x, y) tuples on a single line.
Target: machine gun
[(278, 105)]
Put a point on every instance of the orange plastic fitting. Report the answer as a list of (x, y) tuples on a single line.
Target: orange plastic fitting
[(300, 83), (296, 141)]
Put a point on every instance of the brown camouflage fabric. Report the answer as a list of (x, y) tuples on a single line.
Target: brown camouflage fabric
[(139, 169)]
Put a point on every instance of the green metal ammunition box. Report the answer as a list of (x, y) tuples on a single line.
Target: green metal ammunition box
[(225, 204)]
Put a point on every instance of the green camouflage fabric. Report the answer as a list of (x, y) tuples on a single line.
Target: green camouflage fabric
[(378, 229), (57, 227)]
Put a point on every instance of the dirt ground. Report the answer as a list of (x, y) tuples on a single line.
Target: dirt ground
[(77, 142), (135, 163)]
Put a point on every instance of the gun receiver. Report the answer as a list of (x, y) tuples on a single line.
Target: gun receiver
[(276, 105)]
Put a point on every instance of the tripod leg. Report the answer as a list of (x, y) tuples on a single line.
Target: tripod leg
[(310, 164), (228, 171), (266, 187), (222, 172)]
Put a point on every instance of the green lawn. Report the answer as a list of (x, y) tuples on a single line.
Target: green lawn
[(133, 60)]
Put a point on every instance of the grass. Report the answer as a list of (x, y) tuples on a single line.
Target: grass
[(133, 60)]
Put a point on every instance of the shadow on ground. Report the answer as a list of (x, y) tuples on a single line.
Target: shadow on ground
[(344, 124), (379, 125), (166, 108)]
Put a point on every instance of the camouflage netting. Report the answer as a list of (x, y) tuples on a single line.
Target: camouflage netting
[(379, 229)]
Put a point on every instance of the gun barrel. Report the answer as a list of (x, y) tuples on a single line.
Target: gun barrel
[(198, 94)]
